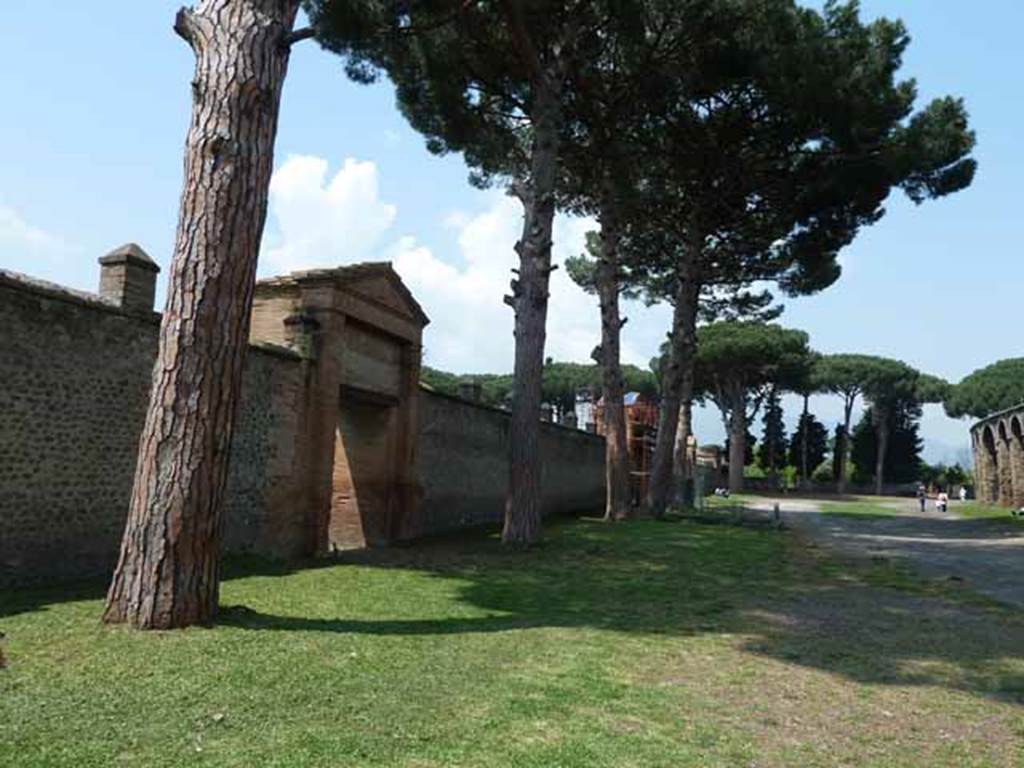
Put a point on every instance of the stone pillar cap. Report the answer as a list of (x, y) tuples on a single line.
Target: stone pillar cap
[(130, 253)]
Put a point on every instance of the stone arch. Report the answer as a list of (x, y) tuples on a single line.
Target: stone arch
[(1004, 463), (1016, 435), (987, 468)]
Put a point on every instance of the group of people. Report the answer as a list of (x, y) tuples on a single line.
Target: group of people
[(941, 498)]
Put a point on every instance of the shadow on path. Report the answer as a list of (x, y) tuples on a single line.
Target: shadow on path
[(986, 555)]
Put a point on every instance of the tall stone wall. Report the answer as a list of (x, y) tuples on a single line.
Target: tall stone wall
[(462, 462), (74, 385), (75, 374), (263, 510)]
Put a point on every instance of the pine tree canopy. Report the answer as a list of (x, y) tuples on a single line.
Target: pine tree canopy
[(988, 390), (738, 362)]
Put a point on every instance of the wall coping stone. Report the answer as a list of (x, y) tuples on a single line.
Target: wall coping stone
[(46, 289), (31, 285), (507, 414)]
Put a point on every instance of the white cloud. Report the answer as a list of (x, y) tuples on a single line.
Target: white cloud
[(325, 223), (471, 328), (17, 235)]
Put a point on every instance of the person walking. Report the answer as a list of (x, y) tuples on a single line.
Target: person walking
[(963, 494), (922, 497), (942, 502)]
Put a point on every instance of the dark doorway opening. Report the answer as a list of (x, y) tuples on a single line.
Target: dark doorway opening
[(364, 479)]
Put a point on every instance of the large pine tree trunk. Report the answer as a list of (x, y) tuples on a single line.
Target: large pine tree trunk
[(769, 442), (737, 444), (617, 496), (682, 460), (529, 299), (805, 422), (677, 378), (168, 571), (882, 434), (845, 448)]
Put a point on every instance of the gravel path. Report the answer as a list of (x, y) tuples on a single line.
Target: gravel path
[(987, 555)]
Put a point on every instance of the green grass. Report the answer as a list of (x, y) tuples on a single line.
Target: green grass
[(857, 508), (641, 644), (976, 511)]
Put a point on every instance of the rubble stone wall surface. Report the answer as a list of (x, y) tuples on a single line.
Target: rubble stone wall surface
[(74, 386), (462, 460)]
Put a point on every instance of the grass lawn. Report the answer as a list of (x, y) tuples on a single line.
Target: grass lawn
[(975, 511), (862, 506), (641, 644)]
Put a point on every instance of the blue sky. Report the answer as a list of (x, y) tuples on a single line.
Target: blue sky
[(96, 103)]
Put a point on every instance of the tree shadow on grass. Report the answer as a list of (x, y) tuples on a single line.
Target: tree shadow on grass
[(26, 599), (17, 600), (629, 578), (868, 622)]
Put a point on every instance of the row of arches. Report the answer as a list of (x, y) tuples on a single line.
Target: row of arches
[(999, 459)]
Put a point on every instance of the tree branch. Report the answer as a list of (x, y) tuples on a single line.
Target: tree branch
[(297, 36), (521, 39), (521, 190), (185, 25)]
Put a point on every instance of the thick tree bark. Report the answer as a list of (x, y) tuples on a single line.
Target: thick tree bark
[(803, 442), (882, 434), (845, 448), (770, 444), (681, 462), (617, 496), (168, 573), (737, 444), (677, 378), (529, 299)]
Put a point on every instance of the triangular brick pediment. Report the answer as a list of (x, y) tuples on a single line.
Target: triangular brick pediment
[(375, 282), (381, 284)]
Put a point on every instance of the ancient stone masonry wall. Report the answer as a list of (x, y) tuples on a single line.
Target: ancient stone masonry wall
[(462, 462), (998, 443), (333, 432), (264, 512), (74, 385)]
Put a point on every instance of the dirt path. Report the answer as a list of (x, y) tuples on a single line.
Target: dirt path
[(987, 555)]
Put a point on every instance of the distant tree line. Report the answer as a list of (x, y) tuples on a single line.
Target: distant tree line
[(561, 383)]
